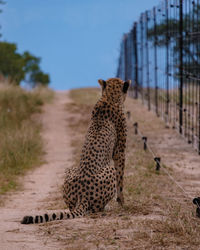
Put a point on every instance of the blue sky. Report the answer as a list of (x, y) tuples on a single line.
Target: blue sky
[(77, 40)]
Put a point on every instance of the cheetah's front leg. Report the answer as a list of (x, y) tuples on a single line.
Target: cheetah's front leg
[(119, 163)]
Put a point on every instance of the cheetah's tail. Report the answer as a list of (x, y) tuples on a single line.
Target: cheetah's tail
[(49, 217), (63, 215)]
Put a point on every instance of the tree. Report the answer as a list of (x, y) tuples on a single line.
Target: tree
[(41, 78), (31, 67), (33, 73), (11, 62), (191, 45), (17, 67)]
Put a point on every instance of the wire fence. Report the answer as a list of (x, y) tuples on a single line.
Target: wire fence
[(161, 55)]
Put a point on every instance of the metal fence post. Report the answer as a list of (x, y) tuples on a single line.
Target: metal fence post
[(167, 63), (136, 59), (147, 60), (125, 58), (141, 54), (155, 61), (118, 75), (181, 66), (199, 124)]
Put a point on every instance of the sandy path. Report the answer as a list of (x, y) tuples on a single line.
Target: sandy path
[(38, 183)]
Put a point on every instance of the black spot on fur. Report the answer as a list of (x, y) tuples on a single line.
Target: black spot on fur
[(104, 84), (27, 220), (125, 87), (41, 219), (36, 219), (46, 217), (61, 216)]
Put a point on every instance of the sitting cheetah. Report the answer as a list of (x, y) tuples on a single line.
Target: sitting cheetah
[(89, 187)]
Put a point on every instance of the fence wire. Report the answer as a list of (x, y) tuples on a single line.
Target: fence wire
[(161, 55)]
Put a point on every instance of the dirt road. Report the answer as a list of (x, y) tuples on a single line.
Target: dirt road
[(38, 183)]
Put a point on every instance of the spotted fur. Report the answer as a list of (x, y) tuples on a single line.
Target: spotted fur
[(91, 185)]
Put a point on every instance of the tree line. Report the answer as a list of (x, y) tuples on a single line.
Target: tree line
[(17, 67)]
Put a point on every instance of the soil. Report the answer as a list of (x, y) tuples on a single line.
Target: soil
[(42, 186)]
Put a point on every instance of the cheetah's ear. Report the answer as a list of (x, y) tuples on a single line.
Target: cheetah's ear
[(102, 83), (126, 86)]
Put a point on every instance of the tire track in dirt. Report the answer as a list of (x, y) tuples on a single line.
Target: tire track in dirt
[(39, 183)]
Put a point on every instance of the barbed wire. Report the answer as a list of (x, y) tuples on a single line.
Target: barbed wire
[(161, 166)]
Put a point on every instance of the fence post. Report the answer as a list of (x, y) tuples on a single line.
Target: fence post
[(136, 59), (141, 56), (167, 63), (129, 53), (125, 58), (155, 61), (199, 122), (118, 75), (181, 66), (147, 61)]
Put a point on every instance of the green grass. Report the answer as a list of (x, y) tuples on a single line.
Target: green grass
[(20, 139)]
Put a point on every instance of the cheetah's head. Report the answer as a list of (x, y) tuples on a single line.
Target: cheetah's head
[(114, 89)]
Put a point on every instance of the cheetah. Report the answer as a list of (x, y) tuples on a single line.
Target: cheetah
[(91, 185)]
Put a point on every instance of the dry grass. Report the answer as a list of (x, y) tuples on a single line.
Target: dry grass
[(86, 97), (21, 144), (156, 215)]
